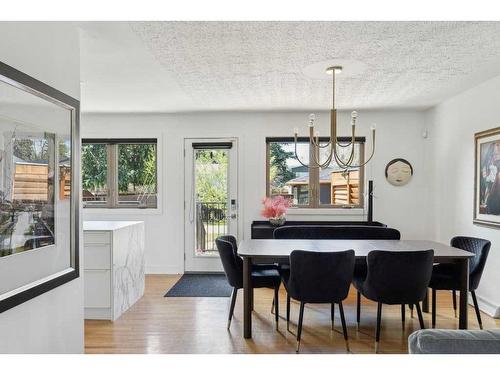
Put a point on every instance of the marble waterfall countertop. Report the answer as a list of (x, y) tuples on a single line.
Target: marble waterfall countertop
[(107, 225)]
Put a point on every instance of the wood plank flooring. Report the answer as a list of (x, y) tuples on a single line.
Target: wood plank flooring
[(198, 325)]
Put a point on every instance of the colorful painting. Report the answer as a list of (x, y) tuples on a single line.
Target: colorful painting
[(487, 178)]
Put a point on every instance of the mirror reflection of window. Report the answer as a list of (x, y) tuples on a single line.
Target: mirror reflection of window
[(28, 191)]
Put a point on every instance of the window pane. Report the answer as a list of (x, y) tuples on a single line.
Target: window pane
[(95, 173), (137, 175), (211, 196), (287, 177), (337, 185)]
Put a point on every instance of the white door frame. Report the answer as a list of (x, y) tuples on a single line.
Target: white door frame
[(209, 264)]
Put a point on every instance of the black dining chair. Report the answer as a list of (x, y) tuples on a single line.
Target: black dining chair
[(262, 276), (319, 277), (396, 278), (446, 276), (339, 232)]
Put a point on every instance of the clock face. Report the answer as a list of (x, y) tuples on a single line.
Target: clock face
[(398, 172)]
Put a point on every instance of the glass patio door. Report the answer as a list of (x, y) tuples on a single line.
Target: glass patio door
[(211, 206)]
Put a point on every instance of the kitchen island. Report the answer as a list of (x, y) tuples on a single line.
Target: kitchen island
[(114, 267)]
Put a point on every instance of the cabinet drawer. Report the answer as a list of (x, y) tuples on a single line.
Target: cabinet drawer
[(96, 257), (96, 237), (97, 289)]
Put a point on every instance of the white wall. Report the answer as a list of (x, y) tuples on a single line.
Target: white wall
[(52, 322), (452, 126), (398, 135)]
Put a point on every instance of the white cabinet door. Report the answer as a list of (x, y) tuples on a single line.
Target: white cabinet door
[(97, 288)]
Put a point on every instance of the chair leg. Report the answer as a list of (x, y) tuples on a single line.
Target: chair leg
[(272, 307), (344, 327), (476, 307), (379, 320), (420, 317), (454, 295), (287, 311), (403, 315), (332, 314), (231, 308), (433, 308), (299, 327), (276, 305), (358, 309), (411, 310)]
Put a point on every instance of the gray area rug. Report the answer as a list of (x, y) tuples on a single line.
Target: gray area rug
[(201, 285)]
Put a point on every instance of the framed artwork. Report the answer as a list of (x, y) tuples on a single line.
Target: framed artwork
[(487, 178), (39, 187)]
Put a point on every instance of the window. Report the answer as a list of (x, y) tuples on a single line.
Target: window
[(313, 187), (119, 173)]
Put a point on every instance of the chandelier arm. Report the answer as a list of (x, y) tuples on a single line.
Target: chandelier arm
[(333, 132), (371, 155), (312, 144), (330, 156), (319, 144), (317, 160), (344, 145), (339, 161), (297, 155), (334, 154), (343, 163)]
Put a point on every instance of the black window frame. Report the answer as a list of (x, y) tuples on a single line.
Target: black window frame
[(112, 144)]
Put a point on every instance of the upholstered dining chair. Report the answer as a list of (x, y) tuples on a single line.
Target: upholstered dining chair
[(396, 278), (339, 232), (262, 276), (319, 277), (446, 276)]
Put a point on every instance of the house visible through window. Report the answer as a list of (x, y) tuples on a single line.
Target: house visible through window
[(313, 187), (119, 173)]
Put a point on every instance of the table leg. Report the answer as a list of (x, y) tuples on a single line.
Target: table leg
[(247, 297), (464, 294), (425, 302)]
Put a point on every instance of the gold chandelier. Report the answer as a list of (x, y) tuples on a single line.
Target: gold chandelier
[(333, 144)]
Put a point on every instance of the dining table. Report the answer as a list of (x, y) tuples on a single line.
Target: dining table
[(278, 251)]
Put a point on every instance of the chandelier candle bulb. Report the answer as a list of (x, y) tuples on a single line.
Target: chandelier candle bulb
[(311, 120), (373, 127), (295, 131)]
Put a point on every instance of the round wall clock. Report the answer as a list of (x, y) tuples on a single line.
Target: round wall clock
[(398, 172)]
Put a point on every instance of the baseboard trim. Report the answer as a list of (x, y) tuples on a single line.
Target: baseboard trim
[(163, 270), (486, 306)]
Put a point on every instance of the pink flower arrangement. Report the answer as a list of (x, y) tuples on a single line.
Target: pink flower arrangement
[(275, 207)]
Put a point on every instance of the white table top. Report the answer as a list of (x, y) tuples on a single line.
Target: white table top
[(283, 248), (107, 225)]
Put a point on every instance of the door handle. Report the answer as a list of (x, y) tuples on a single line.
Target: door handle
[(233, 216)]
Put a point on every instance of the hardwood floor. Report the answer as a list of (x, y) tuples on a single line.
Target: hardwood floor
[(198, 325)]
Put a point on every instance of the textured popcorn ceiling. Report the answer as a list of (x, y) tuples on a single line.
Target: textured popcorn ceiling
[(196, 66)]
